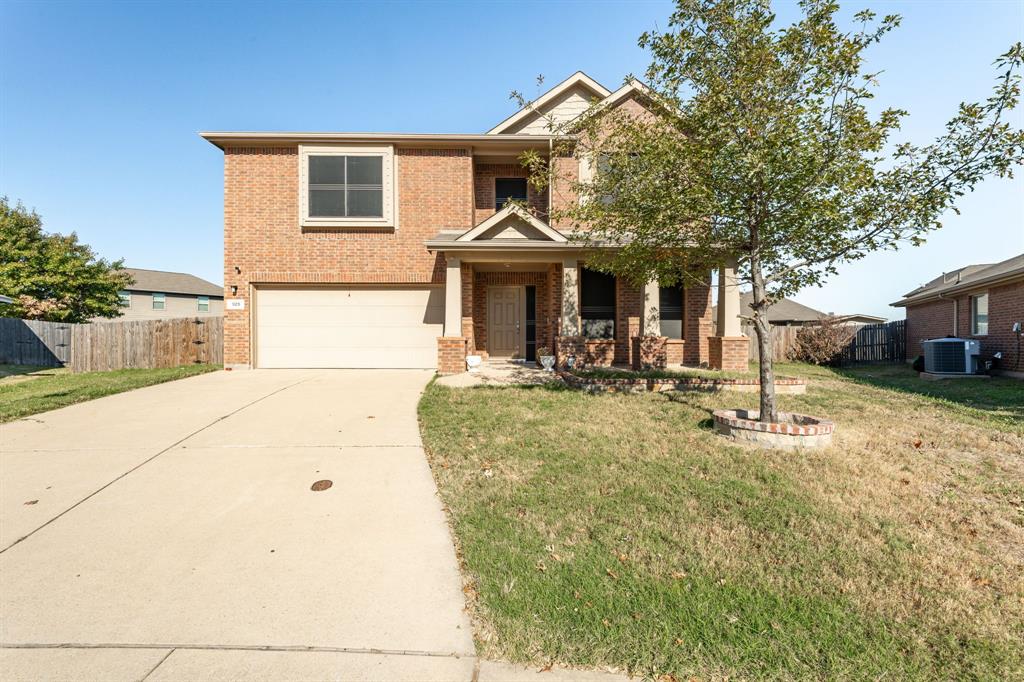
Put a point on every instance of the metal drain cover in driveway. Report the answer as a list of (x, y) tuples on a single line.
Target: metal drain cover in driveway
[(321, 485)]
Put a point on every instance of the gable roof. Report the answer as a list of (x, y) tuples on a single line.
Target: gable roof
[(513, 211), (785, 310), (578, 79), (171, 283), (964, 279)]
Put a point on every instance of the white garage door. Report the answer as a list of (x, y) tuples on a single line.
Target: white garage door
[(348, 327)]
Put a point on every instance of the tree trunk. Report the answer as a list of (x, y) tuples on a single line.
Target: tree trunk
[(763, 332)]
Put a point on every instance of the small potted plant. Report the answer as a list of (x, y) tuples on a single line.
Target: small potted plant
[(546, 358)]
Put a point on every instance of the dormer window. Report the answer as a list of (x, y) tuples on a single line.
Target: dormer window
[(346, 186)]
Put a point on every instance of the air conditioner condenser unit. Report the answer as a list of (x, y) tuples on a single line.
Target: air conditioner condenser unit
[(951, 356)]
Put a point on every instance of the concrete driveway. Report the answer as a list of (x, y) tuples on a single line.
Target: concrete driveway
[(171, 533)]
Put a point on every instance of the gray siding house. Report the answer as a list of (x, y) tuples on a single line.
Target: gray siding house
[(156, 294)]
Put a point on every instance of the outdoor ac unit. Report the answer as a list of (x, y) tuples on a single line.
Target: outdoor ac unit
[(951, 356)]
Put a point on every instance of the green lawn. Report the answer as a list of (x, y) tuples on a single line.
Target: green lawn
[(619, 530), (30, 390)]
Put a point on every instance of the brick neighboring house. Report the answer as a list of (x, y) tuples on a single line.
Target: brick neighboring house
[(975, 302), (399, 250), (158, 295)]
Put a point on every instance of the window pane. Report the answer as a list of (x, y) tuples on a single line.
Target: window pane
[(125, 299), (329, 203), (365, 203), (597, 309), (326, 170), (365, 170), (158, 301), (980, 321), (204, 304), (508, 188), (670, 305)]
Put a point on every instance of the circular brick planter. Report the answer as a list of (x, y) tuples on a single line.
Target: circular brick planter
[(643, 385), (794, 431)]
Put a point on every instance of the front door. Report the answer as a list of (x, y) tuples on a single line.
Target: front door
[(503, 310)]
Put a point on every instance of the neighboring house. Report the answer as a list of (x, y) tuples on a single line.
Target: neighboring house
[(981, 302), (789, 313), (399, 250), (156, 294)]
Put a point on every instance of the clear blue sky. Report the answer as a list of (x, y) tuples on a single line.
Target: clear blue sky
[(100, 104)]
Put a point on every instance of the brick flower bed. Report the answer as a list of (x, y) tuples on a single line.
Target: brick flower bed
[(632, 384), (793, 431)]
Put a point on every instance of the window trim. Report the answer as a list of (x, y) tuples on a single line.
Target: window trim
[(199, 304), (162, 300), (389, 171), (974, 314)]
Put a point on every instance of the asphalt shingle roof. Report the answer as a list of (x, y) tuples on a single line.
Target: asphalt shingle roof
[(965, 278), (172, 283)]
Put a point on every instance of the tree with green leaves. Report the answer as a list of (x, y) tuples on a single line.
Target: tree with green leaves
[(53, 276), (757, 145)]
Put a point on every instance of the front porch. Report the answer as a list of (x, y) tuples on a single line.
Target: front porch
[(514, 285)]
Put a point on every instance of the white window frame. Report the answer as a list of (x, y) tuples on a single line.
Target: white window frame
[(974, 314), (388, 174), (200, 300), (162, 300), (124, 298)]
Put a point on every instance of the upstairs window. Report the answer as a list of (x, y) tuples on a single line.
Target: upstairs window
[(670, 305), (508, 188), (203, 304), (159, 301), (597, 304), (124, 299), (979, 315), (346, 186)]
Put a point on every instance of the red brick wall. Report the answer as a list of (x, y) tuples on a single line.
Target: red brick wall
[(928, 321), (262, 236), (451, 354), (697, 318), (934, 319), (484, 175)]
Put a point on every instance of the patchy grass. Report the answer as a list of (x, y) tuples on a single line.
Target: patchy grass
[(51, 388), (618, 530)]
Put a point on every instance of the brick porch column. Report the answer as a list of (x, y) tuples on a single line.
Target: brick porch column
[(728, 348)]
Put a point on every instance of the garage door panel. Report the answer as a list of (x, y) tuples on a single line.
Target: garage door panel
[(348, 327)]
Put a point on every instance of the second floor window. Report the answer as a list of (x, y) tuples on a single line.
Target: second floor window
[(203, 304), (124, 299), (508, 188), (346, 187), (351, 185), (159, 301)]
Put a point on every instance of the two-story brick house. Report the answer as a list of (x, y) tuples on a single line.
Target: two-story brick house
[(399, 250)]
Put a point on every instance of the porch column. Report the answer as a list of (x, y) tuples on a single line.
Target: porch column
[(570, 298), (650, 325), (728, 301), (453, 297), (728, 348)]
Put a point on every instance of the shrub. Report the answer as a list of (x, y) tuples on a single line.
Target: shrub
[(822, 344)]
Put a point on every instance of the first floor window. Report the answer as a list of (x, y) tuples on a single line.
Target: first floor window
[(159, 301), (124, 299), (670, 307), (979, 315), (597, 304), (508, 188), (203, 304)]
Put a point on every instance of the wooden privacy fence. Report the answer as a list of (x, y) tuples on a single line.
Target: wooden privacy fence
[(34, 342), (871, 343), (877, 343), (102, 346)]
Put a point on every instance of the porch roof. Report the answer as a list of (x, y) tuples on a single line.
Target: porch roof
[(513, 228)]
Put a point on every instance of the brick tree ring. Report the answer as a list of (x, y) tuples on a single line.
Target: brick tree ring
[(793, 431)]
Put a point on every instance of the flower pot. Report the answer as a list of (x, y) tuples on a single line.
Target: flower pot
[(547, 362)]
